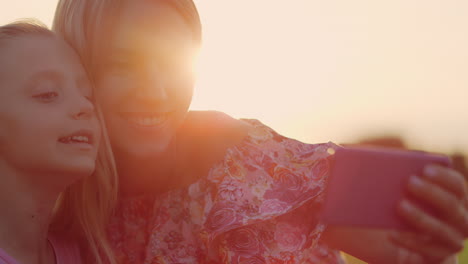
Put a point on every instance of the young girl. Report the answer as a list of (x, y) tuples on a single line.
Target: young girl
[(49, 138)]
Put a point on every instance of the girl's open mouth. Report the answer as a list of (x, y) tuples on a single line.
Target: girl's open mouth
[(83, 137)]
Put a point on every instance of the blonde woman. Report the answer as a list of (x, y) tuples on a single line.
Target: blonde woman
[(51, 201), (201, 187)]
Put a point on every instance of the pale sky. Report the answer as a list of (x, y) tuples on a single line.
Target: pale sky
[(331, 70)]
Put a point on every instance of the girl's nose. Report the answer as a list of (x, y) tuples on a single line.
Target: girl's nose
[(84, 109)]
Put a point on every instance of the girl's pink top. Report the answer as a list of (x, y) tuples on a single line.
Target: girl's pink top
[(66, 252), (258, 205)]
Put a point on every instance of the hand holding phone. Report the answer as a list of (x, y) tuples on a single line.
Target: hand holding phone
[(366, 184)]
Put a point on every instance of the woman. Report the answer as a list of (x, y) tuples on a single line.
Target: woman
[(49, 140), (201, 187)]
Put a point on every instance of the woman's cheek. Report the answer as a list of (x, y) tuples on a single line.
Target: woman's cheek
[(117, 84), (184, 92)]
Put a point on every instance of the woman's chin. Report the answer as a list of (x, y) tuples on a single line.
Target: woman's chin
[(144, 149), (144, 146)]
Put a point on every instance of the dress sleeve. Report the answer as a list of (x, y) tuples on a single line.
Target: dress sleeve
[(264, 200)]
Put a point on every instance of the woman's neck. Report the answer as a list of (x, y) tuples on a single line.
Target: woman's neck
[(201, 142), (141, 175), (26, 214)]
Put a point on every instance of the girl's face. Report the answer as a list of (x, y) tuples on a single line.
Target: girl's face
[(47, 120), (145, 79)]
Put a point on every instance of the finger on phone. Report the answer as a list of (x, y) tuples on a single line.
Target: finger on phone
[(424, 248), (447, 204), (429, 225), (448, 178)]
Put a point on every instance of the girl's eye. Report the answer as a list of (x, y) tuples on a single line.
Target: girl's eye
[(47, 96), (90, 99)]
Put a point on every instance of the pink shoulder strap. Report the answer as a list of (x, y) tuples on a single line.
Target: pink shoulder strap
[(66, 251)]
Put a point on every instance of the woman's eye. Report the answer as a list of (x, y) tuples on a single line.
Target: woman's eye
[(47, 96), (123, 66)]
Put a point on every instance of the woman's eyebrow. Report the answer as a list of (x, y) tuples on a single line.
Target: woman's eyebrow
[(132, 53)]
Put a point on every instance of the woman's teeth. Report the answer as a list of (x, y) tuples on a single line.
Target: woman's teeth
[(147, 121)]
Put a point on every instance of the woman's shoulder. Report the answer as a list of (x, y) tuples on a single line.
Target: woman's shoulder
[(207, 135), (217, 125)]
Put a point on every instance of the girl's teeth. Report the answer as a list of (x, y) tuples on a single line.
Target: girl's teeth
[(80, 138)]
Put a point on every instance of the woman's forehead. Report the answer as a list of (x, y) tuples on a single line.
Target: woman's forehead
[(151, 14), (149, 23)]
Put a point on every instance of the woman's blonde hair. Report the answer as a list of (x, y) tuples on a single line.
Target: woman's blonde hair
[(87, 25), (83, 209)]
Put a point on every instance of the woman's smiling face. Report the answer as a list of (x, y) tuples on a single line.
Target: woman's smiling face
[(47, 120), (145, 77)]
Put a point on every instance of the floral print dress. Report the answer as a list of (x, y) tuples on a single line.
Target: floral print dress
[(258, 205)]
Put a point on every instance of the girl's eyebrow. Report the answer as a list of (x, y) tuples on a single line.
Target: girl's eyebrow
[(52, 75), (84, 85), (45, 75)]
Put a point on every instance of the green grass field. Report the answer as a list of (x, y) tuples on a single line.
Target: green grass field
[(462, 258)]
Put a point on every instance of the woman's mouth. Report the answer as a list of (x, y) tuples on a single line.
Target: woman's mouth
[(148, 120)]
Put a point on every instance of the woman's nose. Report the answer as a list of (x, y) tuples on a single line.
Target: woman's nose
[(153, 87)]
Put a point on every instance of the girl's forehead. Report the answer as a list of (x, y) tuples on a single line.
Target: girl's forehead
[(23, 57), (35, 49)]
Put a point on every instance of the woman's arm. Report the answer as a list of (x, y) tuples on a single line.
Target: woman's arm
[(437, 237), (373, 246), (368, 245)]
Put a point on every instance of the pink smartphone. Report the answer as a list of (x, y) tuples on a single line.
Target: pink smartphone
[(366, 184)]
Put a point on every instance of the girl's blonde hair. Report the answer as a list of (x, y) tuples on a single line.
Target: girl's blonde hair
[(83, 209), (24, 27)]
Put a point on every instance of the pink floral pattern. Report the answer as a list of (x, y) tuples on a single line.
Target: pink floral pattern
[(258, 206)]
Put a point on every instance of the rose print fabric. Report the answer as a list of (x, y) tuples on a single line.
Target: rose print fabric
[(259, 205)]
